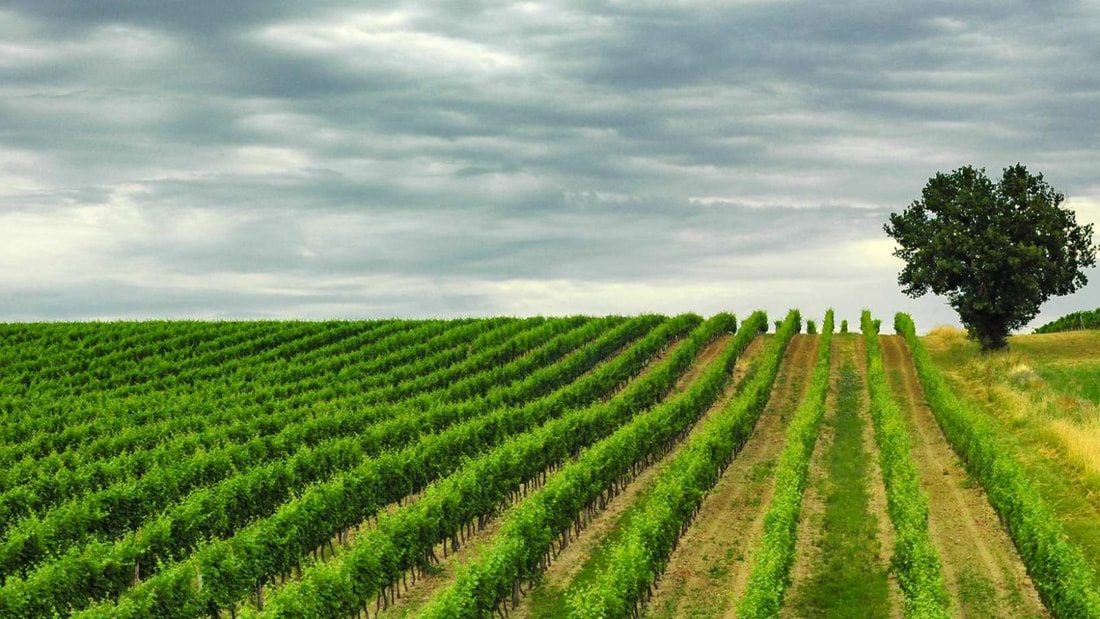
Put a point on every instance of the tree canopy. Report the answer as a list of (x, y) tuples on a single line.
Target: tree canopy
[(996, 251)]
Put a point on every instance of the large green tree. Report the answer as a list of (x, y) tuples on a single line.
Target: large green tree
[(996, 251)]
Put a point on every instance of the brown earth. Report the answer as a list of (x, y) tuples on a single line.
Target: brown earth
[(418, 594), (576, 555), (982, 571), (710, 565)]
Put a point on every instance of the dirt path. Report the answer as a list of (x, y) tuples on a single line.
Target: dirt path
[(877, 501), (709, 353), (710, 565), (810, 557), (982, 570), (578, 555), (419, 594)]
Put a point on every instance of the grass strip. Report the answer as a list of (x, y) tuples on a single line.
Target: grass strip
[(848, 575)]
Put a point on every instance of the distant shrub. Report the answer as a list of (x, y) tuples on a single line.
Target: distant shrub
[(1077, 321), (843, 326), (811, 327)]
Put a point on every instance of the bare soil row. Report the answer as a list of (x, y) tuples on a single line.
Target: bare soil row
[(984, 574)]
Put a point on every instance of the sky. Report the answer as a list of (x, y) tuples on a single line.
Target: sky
[(327, 159)]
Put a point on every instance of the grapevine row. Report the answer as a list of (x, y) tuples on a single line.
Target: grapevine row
[(522, 548), (771, 570), (158, 486), (221, 509), (277, 544), (100, 425), (112, 511), (405, 540), (1056, 566), (915, 561), (208, 412)]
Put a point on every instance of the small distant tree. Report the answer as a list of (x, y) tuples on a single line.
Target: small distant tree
[(996, 251), (811, 327)]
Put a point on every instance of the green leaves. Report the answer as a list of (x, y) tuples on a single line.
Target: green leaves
[(528, 531), (647, 544), (997, 252)]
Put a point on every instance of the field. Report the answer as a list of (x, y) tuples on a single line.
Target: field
[(546, 467)]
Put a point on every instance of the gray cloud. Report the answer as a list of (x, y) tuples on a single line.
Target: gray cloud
[(609, 154)]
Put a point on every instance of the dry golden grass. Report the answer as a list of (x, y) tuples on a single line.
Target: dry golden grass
[(1082, 442), (947, 332), (1012, 385), (1063, 348)]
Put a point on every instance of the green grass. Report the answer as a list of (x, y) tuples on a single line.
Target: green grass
[(978, 594), (850, 581), (1068, 362), (1081, 380)]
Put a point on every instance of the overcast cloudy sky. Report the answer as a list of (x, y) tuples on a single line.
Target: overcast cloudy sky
[(216, 159)]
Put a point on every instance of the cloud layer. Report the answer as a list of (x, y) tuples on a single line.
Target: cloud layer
[(328, 159)]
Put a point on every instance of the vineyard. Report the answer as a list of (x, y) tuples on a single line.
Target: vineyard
[(529, 467)]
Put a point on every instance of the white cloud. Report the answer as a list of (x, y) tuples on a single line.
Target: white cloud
[(266, 160), (1086, 208), (372, 40)]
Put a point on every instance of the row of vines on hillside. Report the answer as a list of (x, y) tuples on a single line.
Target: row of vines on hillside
[(1056, 566), (624, 585), (102, 568), (532, 531), (270, 469), (204, 457), (404, 540), (770, 575), (278, 544)]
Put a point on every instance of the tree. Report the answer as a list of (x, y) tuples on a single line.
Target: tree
[(997, 252)]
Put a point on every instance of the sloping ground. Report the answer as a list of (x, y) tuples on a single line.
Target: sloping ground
[(443, 575), (982, 570), (1068, 362), (588, 551), (251, 413), (711, 564), (845, 538), (1049, 435)]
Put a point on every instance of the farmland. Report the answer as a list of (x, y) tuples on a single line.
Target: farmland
[(546, 467)]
